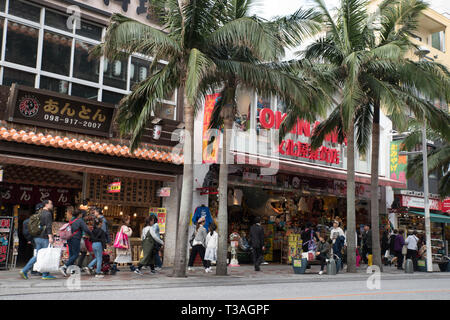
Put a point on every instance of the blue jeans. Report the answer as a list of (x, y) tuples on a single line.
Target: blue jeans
[(74, 250), (158, 261), (97, 247), (39, 244)]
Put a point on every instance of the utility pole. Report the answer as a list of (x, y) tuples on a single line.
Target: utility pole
[(425, 197)]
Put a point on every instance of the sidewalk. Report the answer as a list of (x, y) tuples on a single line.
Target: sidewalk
[(10, 281)]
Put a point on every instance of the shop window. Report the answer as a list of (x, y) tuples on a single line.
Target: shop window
[(85, 67), (56, 20), (61, 86), (111, 97), (138, 70), (2, 5), (79, 90), (2, 23), (21, 44), (165, 111), (89, 31), (24, 10), (115, 73), (56, 53), (11, 76)]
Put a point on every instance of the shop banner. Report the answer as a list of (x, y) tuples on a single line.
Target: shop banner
[(163, 192), (445, 207), (398, 163), (211, 138), (114, 187), (161, 213), (416, 202), (31, 195), (6, 226)]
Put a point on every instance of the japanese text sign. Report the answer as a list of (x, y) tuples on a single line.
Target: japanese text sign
[(6, 225), (53, 110)]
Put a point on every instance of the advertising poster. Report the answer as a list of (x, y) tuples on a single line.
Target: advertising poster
[(6, 226), (398, 163), (161, 213), (210, 144)]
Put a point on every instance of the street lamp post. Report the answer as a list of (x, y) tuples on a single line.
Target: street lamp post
[(424, 153)]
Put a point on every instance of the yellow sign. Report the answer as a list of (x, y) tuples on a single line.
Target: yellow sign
[(161, 213)]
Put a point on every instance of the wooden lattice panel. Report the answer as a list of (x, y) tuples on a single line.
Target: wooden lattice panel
[(133, 192)]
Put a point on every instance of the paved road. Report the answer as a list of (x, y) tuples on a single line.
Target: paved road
[(241, 289)]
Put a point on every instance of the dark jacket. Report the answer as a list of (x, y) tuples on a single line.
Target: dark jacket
[(98, 235), (385, 241), (392, 243), (367, 239), (256, 236), (323, 248), (338, 244), (105, 228), (46, 224), (78, 227)]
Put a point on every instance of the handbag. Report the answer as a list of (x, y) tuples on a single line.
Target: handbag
[(121, 241), (48, 259), (404, 250)]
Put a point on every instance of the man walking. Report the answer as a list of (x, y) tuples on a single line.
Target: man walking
[(257, 242), (366, 243), (43, 239), (411, 242), (99, 215)]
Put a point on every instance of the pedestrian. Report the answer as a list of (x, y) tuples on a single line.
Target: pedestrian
[(78, 226), (198, 244), (212, 240), (398, 246), (385, 245), (42, 240), (124, 255), (149, 239), (257, 242), (412, 243), (98, 213), (392, 253), (366, 243), (323, 252), (158, 246), (29, 237), (99, 241), (336, 231)]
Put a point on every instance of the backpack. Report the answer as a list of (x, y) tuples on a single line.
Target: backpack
[(34, 225), (25, 231), (65, 232)]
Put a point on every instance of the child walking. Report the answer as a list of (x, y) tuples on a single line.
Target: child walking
[(211, 246)]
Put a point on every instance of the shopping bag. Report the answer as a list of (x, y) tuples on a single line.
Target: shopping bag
[(121, 241), (404, 250), (369, 259), (141, 256), (48, 259), (311, 255), (387, 254)]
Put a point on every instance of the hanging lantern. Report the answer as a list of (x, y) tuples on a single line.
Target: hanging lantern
[(157, 132)]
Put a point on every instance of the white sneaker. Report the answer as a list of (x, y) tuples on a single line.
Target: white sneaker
[(321, 272), (88, 270), (63, 270), (99, 276), (137, 271), (157, 268)]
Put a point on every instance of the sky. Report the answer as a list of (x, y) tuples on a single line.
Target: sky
[(270, 8)]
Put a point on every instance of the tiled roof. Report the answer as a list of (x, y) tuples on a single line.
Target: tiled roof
[(30, 137)]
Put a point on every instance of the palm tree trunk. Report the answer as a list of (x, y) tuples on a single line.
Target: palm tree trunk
[(186, 192), (374, 204), (351, 223), (222, 218)]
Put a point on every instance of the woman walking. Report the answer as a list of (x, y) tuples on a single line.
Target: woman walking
[(149, 241), (98, 240), (198, 244), (211, 246), (398, 246), (123, 255)]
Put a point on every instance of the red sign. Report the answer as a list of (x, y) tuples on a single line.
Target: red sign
[(6, 224), (210, 144), (269, 119), (114, 187), (446, 205)]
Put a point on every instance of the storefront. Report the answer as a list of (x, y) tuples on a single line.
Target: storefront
[(68, 150), (409, 209), (287, 184)]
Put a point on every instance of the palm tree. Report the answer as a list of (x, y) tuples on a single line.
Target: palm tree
[(438, 158), (365, 53), (190, 30), (242, 68)]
